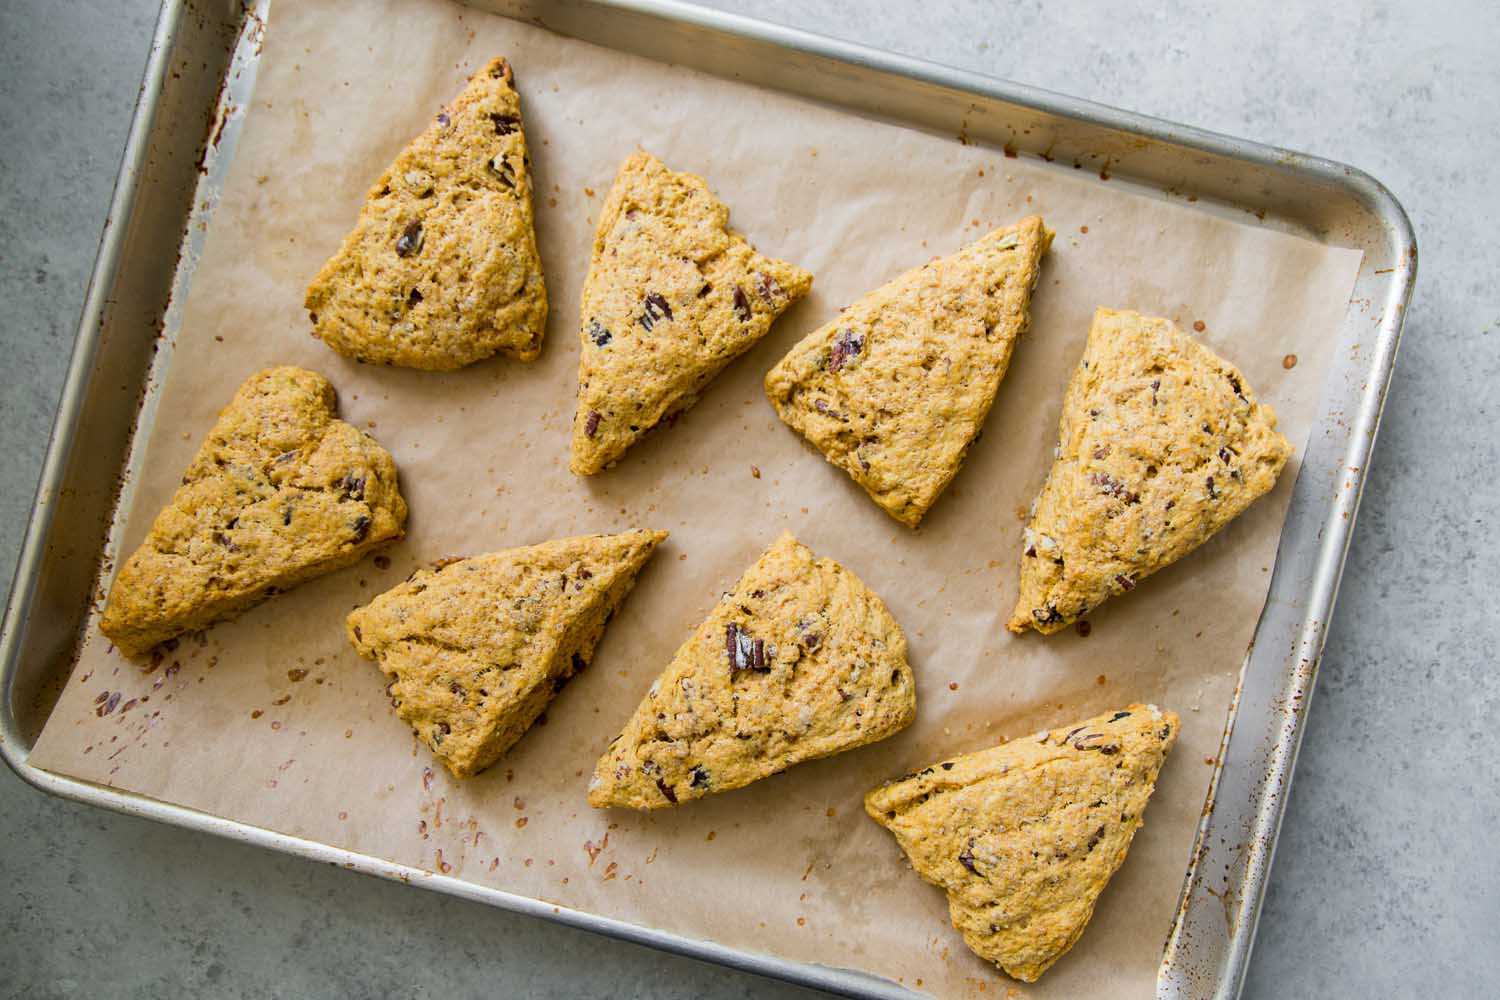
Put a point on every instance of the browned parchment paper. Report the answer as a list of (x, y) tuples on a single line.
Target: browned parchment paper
[(273, 720)]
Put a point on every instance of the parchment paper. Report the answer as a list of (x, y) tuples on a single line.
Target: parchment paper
[(273, 719)]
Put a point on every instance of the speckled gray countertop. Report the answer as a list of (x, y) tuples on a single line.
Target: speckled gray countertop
[(1386, 879)]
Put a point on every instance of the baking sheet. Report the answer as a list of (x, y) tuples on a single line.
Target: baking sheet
[(273, 720)]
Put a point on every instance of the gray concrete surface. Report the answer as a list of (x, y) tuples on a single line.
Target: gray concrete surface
[(1386, 882)]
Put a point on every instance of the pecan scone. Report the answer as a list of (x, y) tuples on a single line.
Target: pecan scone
[(281, 491), (672, 296), (896, 389), (800, 661), (441, 268), (474, 649), (1162, 444), (1025, 836)]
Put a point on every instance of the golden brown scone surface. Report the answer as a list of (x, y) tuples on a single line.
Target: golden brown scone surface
[(281, 491), (1025, 836), (1162, 444), (801, 661), (441, 268), (474, 649), (896, 389), (672, 296)]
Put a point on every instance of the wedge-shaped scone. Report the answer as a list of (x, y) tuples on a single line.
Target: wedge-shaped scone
[(801, 661), (280, 492), (1162, 444), (672, 296), (896, 389), (476, 648), (441, 268), (1024, 836)]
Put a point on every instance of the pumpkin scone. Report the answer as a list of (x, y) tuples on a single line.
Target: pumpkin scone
[(441, 268), (474, 649), (1025, 836), (281, 491), (1162, 445), (896, 388), (672, 296), (801, 661)]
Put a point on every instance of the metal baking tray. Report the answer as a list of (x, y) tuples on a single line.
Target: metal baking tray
[(196, 85)]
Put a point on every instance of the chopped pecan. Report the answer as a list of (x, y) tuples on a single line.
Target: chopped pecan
[(1095, 741), (656, 309), (846, 346), (411, 239), (352, 486), (1110, 486), (807, 633), (1047, 615), (769, 289), (744, 652)]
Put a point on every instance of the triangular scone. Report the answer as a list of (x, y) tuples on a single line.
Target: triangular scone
[(1162, 444), (441, 268), (801, 661), (672, 296), (476, 648), (896, 389), (1024, 836), (280, 492)]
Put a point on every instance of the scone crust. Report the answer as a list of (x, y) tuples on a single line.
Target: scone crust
[(441, 268), (1162, 444), (801, 661), (474, 649), (897, 387), (280, 491), (672, 296), (1025, 836)]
